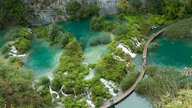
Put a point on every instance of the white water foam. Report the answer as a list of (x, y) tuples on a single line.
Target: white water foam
[(110, 85), (126, 50), (90, 75)]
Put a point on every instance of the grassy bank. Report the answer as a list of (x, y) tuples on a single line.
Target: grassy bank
[(182, 29)]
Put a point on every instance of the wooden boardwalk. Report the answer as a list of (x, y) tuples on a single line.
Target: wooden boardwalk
[(143, 69)]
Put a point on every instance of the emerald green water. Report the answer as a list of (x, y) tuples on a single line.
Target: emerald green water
[(175, 53), (134, 101), (42, 58), (81, 30)]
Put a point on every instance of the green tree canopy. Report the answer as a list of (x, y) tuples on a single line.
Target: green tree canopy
[(16, 88), (12, 12)]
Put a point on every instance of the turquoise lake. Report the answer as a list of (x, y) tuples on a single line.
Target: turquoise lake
[(42, 58), (171, 52), (81, 30)]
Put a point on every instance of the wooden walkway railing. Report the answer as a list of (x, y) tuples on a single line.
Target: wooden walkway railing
[(143, 69)]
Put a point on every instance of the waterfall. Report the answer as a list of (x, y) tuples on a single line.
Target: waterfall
[(126, 50), (61, 91), (74, 92), (136, 41), (88, 100), (53, 92), (110, 85), (90, 75)]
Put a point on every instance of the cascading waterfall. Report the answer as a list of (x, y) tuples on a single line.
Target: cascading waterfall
[(136, 41), (61, 91), (88, 100), (53, 92), (74, 92), (126, 50)]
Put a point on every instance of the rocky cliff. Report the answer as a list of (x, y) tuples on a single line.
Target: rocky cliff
[(47, 11)]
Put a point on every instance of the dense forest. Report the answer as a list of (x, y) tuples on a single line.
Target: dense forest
[(166, 87)]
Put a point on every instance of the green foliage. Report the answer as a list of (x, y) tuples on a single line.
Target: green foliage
[(181, 29), (158, 82), (5, 49), (44, 81), (120, 30), (100, 40), (136, 5), (40, 32), (119, 52), (54, 33), (182, 100), (99, 93), (70, 63), (153, 45), (12, 12), (16, 88), (20, 37), (76, 10), (16, 61), (155, 6), (112, 46), (173, 9), (71, 102), (101, 24), (110, 68), (57, 34), (129, 80), (125, 7), (22, 45), (157, 19), (140, 48), (18, 32)]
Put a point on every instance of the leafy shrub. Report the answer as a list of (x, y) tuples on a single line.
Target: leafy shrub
[(158, 82), (101, 24), (120, 30), (12, 12), (5, 49), (76, 10), (20, 37), (22, 45), (153, 45), (44, 81), (16, 61), (129, 80), (110, 68), (181, 29), (100, 40)]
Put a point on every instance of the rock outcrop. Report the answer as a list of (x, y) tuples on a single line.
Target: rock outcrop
[(47, 11)]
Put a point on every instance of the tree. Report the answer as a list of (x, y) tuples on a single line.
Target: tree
[(173, 9), (155, 6), (16, 88), (182, 100), (78, 10), (125, 6), (136, 4), (12, 12)]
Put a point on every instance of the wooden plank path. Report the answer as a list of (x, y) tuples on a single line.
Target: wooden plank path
[(143, 69)]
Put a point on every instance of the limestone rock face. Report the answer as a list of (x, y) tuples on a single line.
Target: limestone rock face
[(47, 11), (107, 6)]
